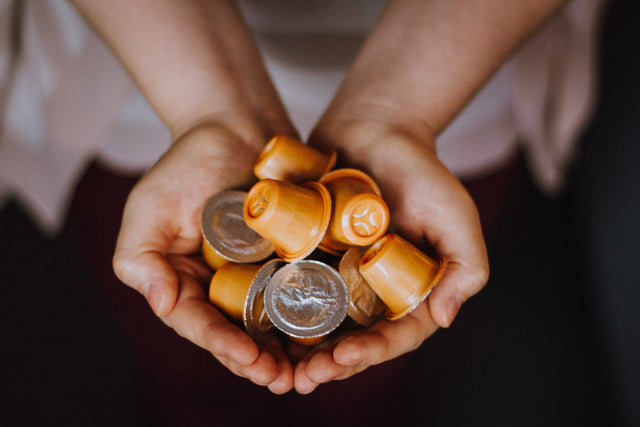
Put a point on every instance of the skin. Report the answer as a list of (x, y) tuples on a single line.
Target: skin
[(159, 235), (384, 120), (198, 67)]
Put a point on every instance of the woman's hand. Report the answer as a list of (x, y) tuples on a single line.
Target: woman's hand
[(429, 207), (160, 237), (198, 67), (416, 71)]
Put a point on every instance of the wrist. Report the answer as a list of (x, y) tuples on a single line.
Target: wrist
[(251, 130), (355, 129)]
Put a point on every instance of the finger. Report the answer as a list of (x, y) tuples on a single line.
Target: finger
[(263, 371), (284, 379), (455, 233), (459, 283), (139, 259), (150, 274), (302, 383), (467, 270), (460, 240), (386, 340), (200, 322), (192, 266), (357, 351), (321, 368)]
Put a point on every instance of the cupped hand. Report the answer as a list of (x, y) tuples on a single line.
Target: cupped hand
[(160, 235), (429, 207)]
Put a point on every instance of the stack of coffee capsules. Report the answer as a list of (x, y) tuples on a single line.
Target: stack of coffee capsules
[(298, 208)]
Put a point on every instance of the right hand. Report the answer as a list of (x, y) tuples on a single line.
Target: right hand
[(156, 251)]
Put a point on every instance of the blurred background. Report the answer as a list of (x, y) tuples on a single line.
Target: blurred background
[(553, 339)]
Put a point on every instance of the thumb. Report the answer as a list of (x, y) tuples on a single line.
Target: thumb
[(140, 262), (150, 274), (458, 284)]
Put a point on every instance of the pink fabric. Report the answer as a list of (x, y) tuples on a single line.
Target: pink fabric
[(72, 102)]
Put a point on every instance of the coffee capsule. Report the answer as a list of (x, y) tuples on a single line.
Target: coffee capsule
[(293, 217), (365, 307), (255, 318), (230, 286), (226, 237), (359, 216), (306, 300), (400, 274), (287, 159), (238, 290)]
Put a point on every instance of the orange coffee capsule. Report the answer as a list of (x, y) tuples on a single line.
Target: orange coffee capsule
[(226, 237), (400, 274), (359, 216), (238, 290), (365, 307), (287, 159), (229, 287), (293, 217)]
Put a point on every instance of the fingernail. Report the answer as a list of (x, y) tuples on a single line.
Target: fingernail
[(328, 378), (453, 306), (154, 297), (350, 361), (308, 390), (244, 359)]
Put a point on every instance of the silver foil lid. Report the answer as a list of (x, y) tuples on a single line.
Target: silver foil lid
[(255, 318), (224, 229), (306, 299)]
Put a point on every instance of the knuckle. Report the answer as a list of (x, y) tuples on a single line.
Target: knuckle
[(211, 335), (481, 276), (474, 283), (121, 266), (421, 332)]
